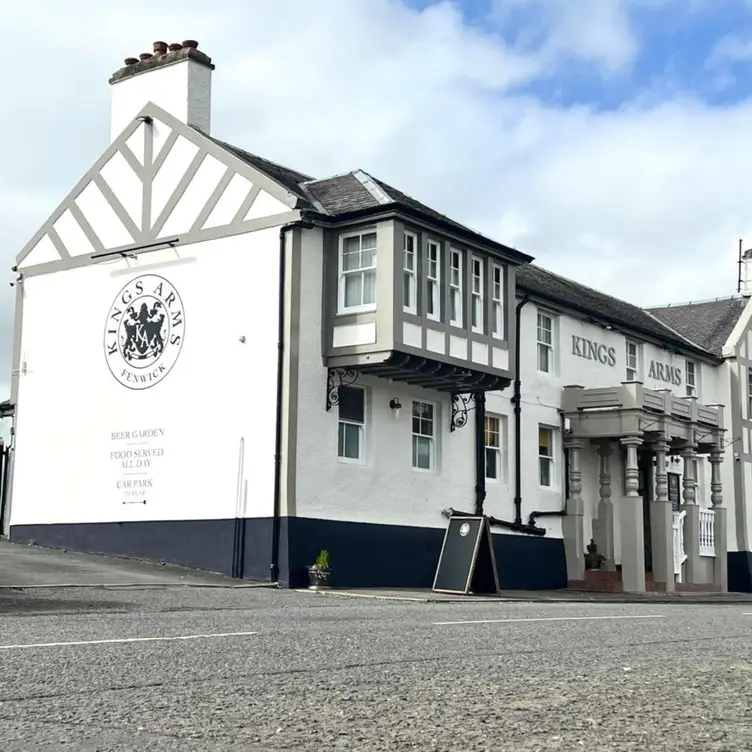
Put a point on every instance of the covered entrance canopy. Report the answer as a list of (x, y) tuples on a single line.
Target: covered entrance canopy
[(664, 424)]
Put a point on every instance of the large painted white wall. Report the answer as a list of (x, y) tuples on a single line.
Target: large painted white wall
[(385, 489), (197, 437)]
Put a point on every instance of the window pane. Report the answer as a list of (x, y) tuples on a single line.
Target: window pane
[(492, 464), (492, 432), (353, 289), (543, 358), (545, 471), (368, 240), (369, 287), (422, 452), (407, 289), (367, 259), (349, 441), (544, 442), (430, 306)]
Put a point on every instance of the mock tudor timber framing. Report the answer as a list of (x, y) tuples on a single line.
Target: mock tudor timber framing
[(149, 231)]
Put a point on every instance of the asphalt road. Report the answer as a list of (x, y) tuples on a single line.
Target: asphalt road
[(277, 670)]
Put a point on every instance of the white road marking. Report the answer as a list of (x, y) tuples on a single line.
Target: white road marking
[(126, 640), (550, 618)]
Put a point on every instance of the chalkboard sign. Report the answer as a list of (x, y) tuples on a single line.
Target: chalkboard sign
[(673, 491), (467, 563)]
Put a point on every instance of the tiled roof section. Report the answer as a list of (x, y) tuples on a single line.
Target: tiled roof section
[(537, 281), (289, 179), (345, 193), (341, 194), (708, 323)]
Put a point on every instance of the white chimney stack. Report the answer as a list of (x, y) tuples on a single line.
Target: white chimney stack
[(176, 78)]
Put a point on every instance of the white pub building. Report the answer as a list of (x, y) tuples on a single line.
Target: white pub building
[(269, 364)]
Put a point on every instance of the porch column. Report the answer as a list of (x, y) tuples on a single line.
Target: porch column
[(603, 526), (692, 520), (631, 522), (571, 524), (661, 521), (720, 565)]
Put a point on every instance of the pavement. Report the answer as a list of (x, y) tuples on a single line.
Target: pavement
[(27, 566), (175, 667)]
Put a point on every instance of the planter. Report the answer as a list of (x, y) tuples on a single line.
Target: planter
[(318, 578)]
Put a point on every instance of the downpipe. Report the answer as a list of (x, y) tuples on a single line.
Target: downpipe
[(306, 223)]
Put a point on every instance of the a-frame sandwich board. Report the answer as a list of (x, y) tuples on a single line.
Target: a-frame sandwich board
[(467, 564)]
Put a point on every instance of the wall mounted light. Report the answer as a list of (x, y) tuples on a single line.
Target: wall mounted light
[(395, 405)]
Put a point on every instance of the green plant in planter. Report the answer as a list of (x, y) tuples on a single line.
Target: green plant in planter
[(320, 571), (593, 559)]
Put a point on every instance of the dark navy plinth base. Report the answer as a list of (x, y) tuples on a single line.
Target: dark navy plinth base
[(740, 571), (362, 555)]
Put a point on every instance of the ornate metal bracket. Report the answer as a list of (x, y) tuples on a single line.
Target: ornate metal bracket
[(460, 410), (335, 378)]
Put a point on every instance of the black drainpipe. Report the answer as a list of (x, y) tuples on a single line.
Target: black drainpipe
[(480, 452), (306, 223), (517, 402)]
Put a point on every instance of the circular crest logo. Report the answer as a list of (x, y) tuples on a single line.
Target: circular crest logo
[(144, 332), (464, 529)]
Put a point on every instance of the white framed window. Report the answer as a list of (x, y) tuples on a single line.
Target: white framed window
[(546, 456), (497, 301), (477, 279), (455, 288), (495, 443), (545, 342), (690, 378), (409, 272), (633, 361), (749, 393), (351, 429), (424, 435), (433, 281), (357, 270)]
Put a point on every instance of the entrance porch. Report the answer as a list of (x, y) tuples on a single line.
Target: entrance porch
[(656, 535)]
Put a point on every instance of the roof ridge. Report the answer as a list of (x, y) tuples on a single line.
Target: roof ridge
[(372, 186), (701, 301)]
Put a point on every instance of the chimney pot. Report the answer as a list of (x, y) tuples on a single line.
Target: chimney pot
[(145, 55), (131, 60), (190, 43), (175, 46), (160, 48)]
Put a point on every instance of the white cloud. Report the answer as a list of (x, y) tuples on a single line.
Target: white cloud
[(647, 202), (730, 49)]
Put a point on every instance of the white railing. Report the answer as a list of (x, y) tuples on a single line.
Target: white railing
[(707, 532), (680, 555)]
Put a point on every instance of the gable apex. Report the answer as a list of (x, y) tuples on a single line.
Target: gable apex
[(159, 178)]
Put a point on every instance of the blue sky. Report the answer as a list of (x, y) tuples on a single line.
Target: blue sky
[(606, 138), (677, 41)]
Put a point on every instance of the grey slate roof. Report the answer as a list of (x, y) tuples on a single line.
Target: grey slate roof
[(342, 195), (542, 283), (346, 194), (708, 323)]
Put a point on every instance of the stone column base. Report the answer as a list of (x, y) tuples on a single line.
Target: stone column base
[(720, 566), (662, 542), (692, 544), (632, 544), (574, 545)]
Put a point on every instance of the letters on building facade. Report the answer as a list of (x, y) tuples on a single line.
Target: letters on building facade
[(590, 350)]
